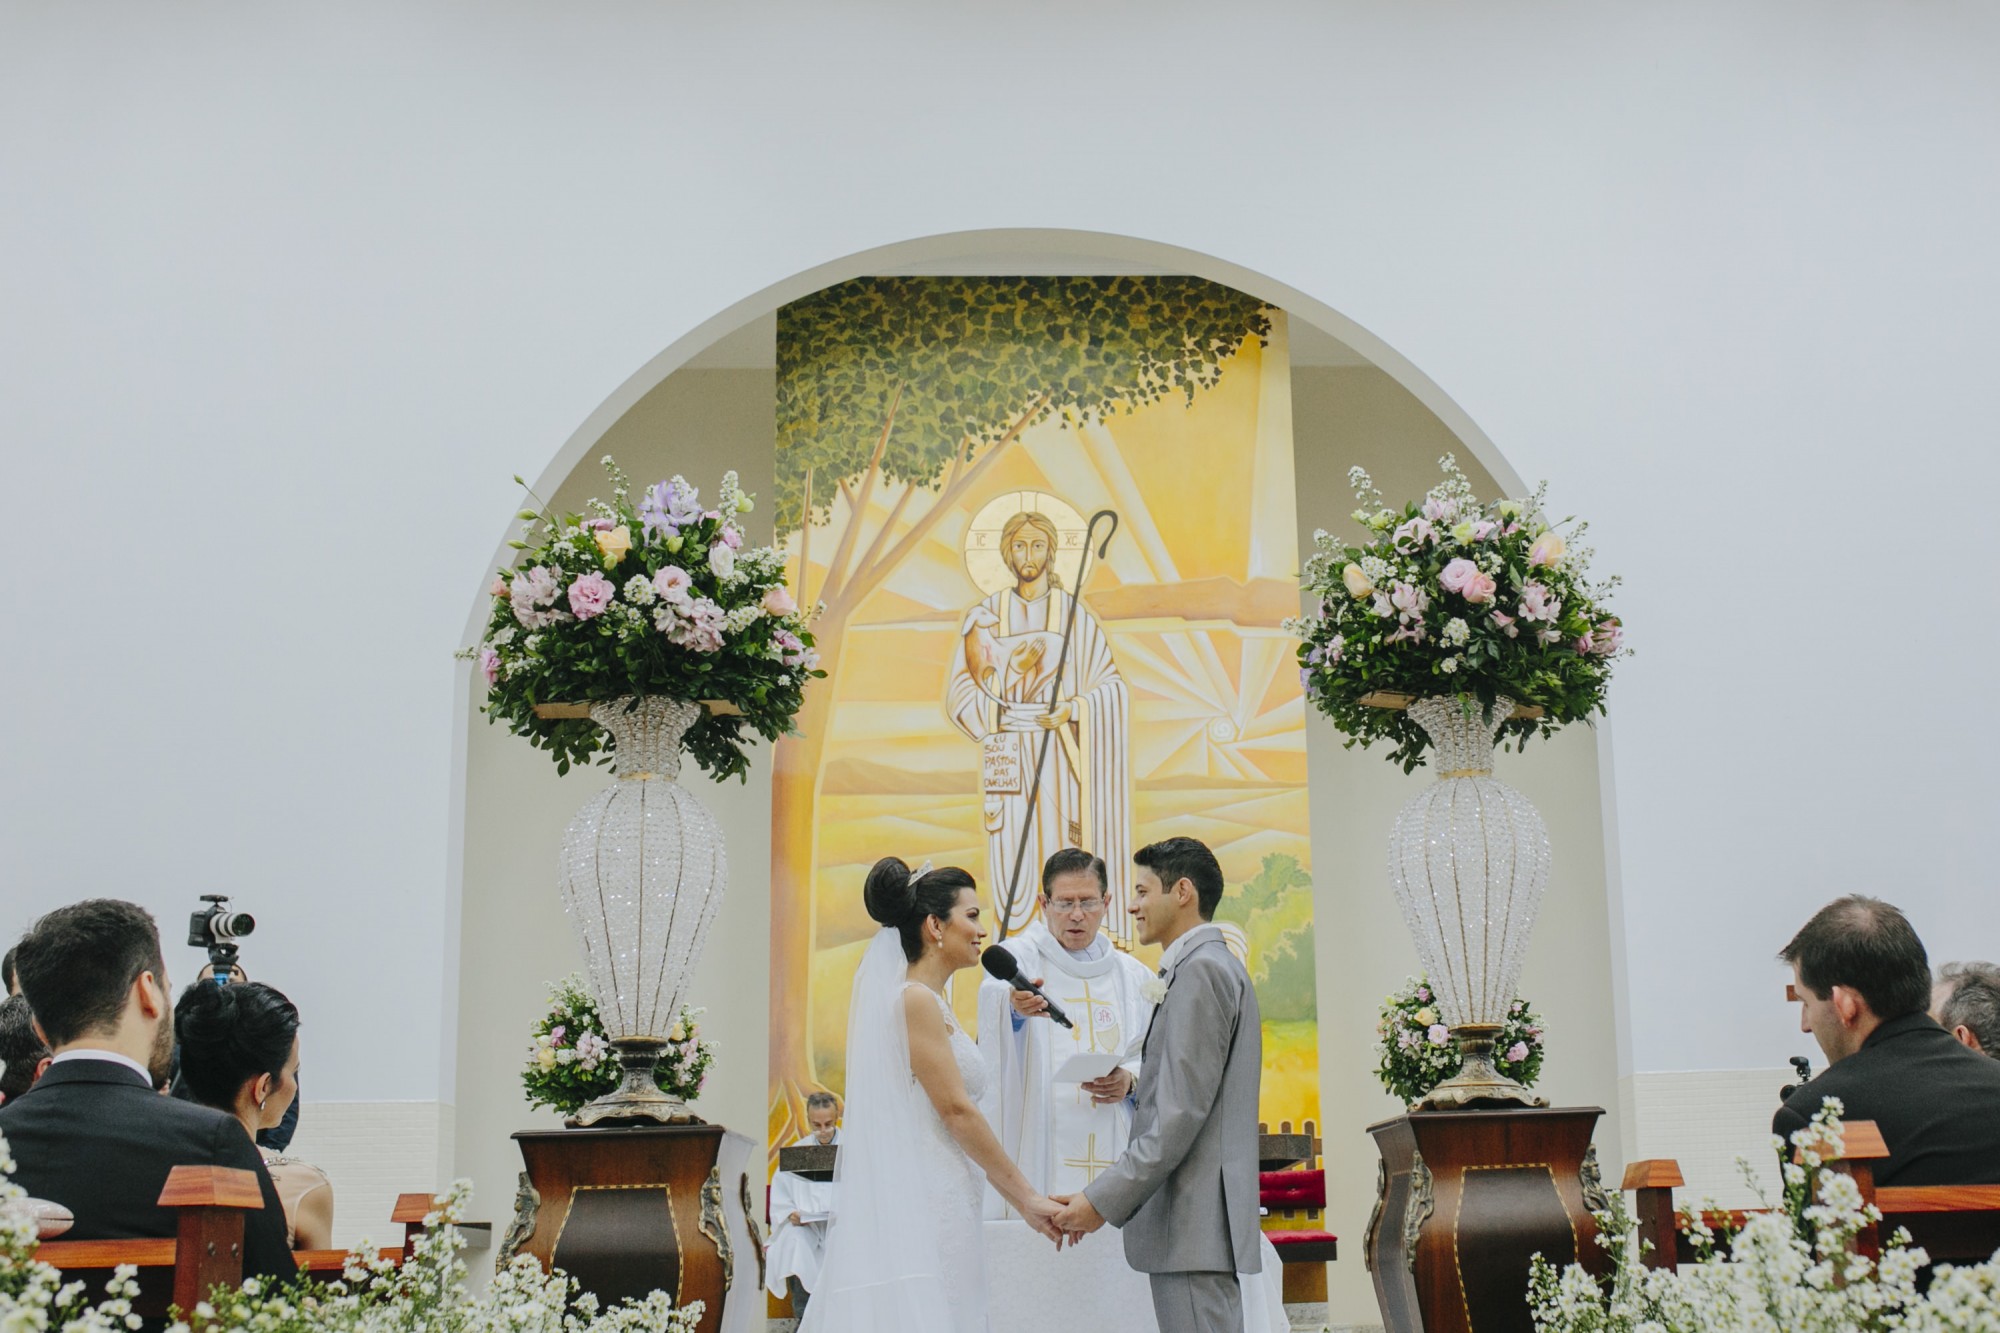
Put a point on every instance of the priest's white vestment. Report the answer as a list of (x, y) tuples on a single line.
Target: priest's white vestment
[(1061, 1141), (796, 1248)]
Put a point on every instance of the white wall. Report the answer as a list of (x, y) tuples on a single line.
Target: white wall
[(286, 295)]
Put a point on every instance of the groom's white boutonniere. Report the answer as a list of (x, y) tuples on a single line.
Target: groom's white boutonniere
[(1153, 990)]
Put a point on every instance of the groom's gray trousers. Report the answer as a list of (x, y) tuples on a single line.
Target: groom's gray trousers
[(1198, 1302)]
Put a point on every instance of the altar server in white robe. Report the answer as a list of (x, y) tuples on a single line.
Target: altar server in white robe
[(799, 1209), (1063, 1135)]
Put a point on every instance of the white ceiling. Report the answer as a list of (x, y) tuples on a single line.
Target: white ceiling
[(755, 345)]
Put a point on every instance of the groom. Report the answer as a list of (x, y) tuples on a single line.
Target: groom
[(1185, 1190)]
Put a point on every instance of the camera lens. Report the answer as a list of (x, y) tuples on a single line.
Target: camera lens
[(233, 925)]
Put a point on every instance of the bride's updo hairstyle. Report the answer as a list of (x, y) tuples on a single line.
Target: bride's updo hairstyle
[(903, 905)]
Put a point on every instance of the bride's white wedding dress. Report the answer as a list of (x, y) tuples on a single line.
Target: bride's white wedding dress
[(958, 1196), (903, 1249)]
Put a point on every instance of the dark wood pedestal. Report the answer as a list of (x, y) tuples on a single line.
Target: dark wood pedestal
[(1464, 1198), (627, 1210)]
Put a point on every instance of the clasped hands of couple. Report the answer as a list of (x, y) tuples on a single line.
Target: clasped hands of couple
[(1063, 1218)]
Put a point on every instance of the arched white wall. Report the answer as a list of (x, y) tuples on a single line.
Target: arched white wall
[(288, 295)]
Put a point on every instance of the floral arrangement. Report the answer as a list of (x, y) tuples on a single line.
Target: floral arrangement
[(1449, 596), (426, 1295), (662, 597), (571, 1062), (1792, 1269), (1415, 1051)]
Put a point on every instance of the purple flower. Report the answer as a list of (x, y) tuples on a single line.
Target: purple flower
[(669, 506), (1423, 992), (489, 664), (1517, 1053), (556, 1034), (732, 537)]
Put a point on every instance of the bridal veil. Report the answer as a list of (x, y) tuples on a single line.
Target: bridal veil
[(882, 1273)]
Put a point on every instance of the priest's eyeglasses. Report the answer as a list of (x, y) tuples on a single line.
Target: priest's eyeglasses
[(1074, 906)]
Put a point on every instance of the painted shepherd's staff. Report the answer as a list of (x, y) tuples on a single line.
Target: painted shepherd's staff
[(1055, 697)]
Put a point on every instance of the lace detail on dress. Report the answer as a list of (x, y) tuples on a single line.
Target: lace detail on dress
[(958, 1188)]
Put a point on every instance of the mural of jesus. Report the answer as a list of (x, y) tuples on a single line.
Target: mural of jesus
[(1003, 693)]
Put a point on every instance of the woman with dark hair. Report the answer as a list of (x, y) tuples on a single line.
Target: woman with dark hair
[(903, 1251), (239, 1052)]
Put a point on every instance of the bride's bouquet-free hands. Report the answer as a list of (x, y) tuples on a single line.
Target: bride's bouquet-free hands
[(1039, 1211)]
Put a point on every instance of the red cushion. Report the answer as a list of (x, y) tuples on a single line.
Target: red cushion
[(1280, 1239), (1292, 1189)]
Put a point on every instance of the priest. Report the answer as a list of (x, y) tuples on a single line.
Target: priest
[(1059, 1099), (799, 1210)]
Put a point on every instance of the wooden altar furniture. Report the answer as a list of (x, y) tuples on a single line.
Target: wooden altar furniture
[(1464, 1198), (631, 1209), (1957, 1224)]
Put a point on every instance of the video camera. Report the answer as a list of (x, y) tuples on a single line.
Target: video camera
[(216, 929), (1803, 1068)]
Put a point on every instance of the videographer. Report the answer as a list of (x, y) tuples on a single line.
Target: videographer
[(216, 929)]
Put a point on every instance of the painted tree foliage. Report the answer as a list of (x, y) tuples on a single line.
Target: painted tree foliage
[(892, 386)]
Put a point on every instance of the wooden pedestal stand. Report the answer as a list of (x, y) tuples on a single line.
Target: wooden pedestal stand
[(1464, 1198), (630, 1209)]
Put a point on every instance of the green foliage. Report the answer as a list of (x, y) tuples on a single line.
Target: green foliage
[(961, 361), (1275, 909), (1452, 597), (571, 1062), (709, 639), (1415, 1051)]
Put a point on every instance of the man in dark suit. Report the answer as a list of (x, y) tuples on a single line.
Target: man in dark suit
[(93, 1135), (1864, 983)]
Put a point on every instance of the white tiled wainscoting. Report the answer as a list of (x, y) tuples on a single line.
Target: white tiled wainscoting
[(1705, 1119), (371, 1152)]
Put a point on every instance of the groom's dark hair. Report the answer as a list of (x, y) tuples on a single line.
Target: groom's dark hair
[(1177, 859)]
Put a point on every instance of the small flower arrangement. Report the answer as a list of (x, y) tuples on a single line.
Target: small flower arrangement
[(372, 1295), (1449, 596), (1416, 1051), (659, 597), (1792, 1268), (571, 1062)]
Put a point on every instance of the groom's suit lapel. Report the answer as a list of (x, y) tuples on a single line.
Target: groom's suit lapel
[(1147, 1042)]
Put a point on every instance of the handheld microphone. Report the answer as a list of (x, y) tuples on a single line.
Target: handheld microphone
[(1005, 967)]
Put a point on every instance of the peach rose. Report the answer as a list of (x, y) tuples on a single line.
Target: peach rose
[(1356, 581)]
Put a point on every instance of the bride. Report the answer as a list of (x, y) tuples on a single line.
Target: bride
[(903, 1250)]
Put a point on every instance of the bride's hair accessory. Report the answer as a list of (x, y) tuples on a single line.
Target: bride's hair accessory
[(920, 871)]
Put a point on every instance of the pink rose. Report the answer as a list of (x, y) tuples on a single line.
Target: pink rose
[(1517, 1053), (673, 583), (779, 602), (1456, 573), (499, 588), (589, 595), (1439, 1034), (489, 665), (1480, 587)]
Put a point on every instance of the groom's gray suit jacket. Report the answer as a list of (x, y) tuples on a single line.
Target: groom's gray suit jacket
[(1185, 1190)]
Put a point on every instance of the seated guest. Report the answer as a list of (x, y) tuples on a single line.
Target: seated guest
[(1863, 983), (92, 1135), (240, 1053), (1966, 1003), (798, 1214), (22, 1050)]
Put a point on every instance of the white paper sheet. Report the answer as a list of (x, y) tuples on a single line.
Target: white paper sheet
[(1086, 1066)]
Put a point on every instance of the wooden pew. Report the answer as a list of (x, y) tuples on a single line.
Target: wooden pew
[(207, 1251), (1957, 1224)]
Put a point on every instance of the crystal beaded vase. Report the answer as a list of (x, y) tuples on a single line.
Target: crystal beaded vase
[(642, 876), (1470, 858)]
